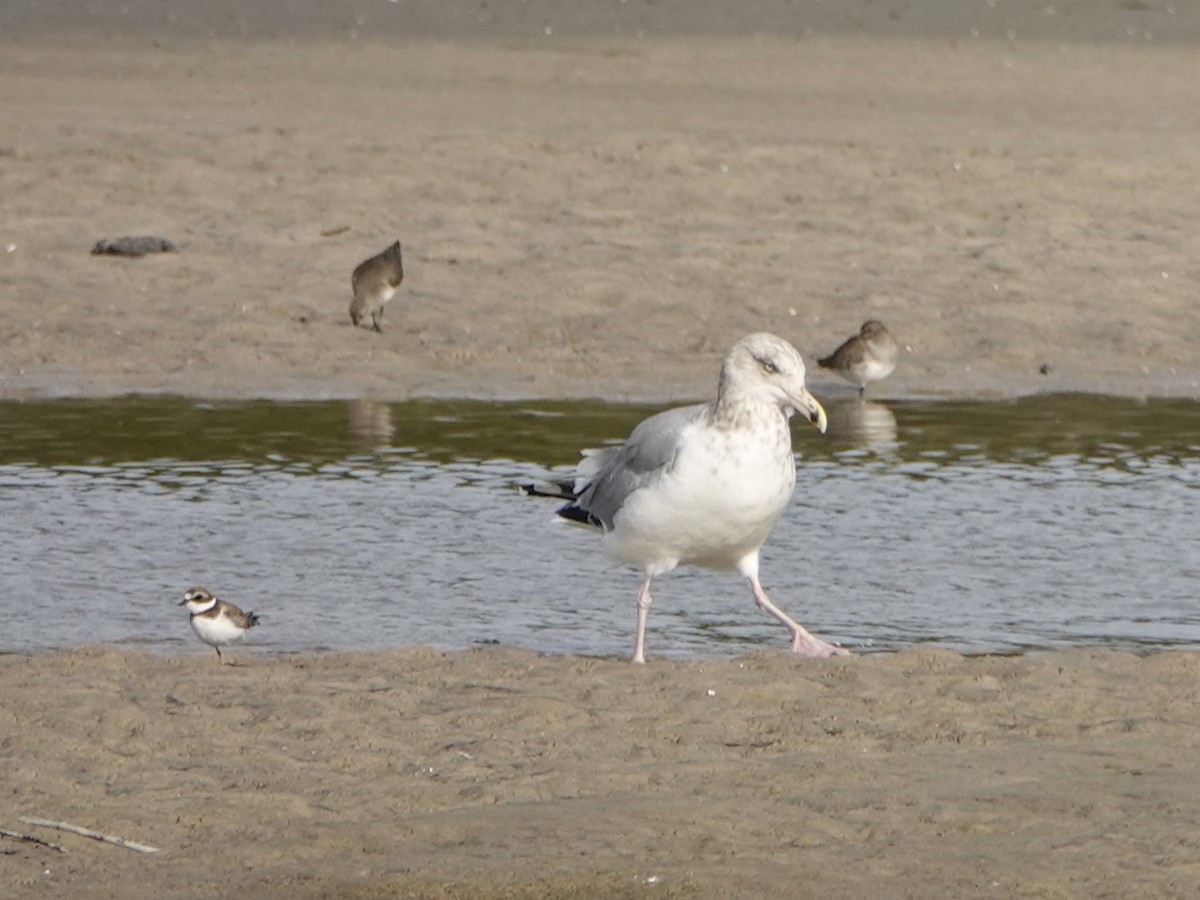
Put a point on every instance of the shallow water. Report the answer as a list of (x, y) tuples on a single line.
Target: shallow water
[(982, 527)]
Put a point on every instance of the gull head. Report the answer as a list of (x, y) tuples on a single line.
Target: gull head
[(768, 368)]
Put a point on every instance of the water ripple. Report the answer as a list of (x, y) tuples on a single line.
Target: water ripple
[(921, 534)]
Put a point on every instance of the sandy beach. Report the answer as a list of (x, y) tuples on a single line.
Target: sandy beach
[(589, 215), (501, 773), (595, 201)]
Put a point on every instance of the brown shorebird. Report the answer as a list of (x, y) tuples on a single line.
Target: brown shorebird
[(868, 356), (374, 282)]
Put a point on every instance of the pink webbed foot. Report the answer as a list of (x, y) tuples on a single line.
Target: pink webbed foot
[(807, 645)]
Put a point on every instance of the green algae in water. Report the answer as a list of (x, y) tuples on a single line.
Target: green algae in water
[(1030, 430)]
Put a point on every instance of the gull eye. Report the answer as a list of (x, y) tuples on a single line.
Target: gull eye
[(769, 367)]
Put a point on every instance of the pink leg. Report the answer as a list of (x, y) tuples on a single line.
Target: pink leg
[(643, 608), (802, 642)]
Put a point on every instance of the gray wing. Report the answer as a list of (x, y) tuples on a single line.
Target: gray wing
[(610, 475)]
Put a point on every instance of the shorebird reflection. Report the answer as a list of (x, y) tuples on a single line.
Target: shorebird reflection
[(866, 425), (371, 422)]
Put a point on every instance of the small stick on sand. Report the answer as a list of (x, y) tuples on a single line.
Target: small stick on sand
[(86, 832), (33, 839)]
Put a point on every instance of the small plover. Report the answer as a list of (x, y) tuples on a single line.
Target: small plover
[(867, 356), (215, 621), (374, 282)]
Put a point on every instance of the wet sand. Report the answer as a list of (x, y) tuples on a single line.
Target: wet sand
[(600, 211), (501, 773)]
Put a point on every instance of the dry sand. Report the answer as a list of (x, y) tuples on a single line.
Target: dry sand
[(603, 216), (598, 212)]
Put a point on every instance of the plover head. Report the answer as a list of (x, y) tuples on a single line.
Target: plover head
[(197, 600)]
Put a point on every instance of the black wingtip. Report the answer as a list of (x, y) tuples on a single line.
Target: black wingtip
[(573, 513), (556, 490)]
